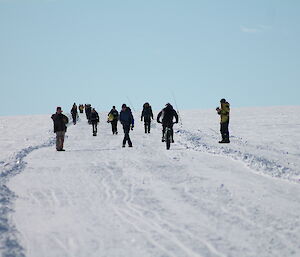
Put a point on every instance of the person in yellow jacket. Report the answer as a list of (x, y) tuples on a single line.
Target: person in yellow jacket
[(224, 123), (81, 108)]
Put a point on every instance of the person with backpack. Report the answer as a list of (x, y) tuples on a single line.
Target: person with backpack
[(94, 118), (127, 120), (60, 121), (147, 114), (81, 108), (168, 114), (113, 117), (224, 120), (88, 109), (74, 113)]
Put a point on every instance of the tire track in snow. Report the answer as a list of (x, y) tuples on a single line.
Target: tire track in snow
[(161, 234), (196, 142), (8, 233), (119, 191), (199, 244)]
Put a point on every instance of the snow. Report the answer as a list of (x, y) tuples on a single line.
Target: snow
[(199, 198)]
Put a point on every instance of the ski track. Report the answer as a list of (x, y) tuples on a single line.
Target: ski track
[(198, 142)]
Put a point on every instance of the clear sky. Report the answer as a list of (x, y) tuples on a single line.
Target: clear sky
[(109, 52)]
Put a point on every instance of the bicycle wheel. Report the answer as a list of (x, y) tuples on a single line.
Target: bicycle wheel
[(168, 138)]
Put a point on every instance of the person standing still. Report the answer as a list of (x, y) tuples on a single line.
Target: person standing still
[(60, 121), (127, 120), (224, 122)]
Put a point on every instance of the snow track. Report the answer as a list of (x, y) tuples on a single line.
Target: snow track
[(8, 239), (98, 199), (240, 151)]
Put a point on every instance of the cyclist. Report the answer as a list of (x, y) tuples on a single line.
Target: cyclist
[(168, 114)]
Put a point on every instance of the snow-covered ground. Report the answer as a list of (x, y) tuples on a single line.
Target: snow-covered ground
[(198, 199)]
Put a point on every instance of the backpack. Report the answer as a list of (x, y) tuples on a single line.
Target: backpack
[(110, 117)]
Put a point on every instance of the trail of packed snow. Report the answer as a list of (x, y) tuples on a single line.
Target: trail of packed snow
[(197, 199)]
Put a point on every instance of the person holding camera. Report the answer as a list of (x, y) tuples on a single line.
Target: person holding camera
[(224, 120)]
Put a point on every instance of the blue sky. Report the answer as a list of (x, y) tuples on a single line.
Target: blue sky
[(109, 52)]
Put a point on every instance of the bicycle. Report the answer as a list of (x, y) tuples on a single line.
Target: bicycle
[(168, 136)]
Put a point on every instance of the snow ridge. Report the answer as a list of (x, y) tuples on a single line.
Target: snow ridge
[(8, 233), (197, 142)]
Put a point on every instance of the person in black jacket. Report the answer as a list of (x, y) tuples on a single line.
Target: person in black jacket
[(127, 120), (168, 114), (60, 121), (147, 114), (94, 118), (74, 113), (113, 117), (88, 109)]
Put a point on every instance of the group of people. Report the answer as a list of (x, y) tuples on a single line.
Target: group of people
[(165, 117)]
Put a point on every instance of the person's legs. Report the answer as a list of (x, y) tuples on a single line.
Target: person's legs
[(147, 122), (58, 144), (114, 126), (126, 129), (163, 132), (60, 136), (224, 132)]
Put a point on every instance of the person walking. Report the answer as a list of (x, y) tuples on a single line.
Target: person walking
[(74, 113), (88, 109), (113, 117), (81, 108), (147, 114), (127, 120), (59, 121), (224, 120), (168, 114), (94, 117)]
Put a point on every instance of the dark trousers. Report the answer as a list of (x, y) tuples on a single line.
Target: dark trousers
[(224, 130), (94, 124), (147, 125), (126, 129), (74, 116), (114, 126)]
